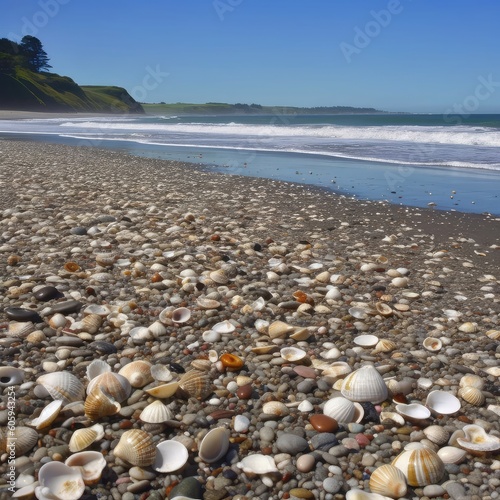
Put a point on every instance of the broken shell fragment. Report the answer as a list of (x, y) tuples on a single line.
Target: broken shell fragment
[(90, 464), (9, 375), (48, 415), (257, 464), (59, 481)]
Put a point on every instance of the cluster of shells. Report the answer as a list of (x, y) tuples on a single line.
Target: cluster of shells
[(174, 313)]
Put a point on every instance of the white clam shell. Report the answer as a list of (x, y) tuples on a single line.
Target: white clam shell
[(9, 375), (20, 439), (336, 370), (211, 336), (366, 340), (258, 464), (59, 481), (140, 334), (442, 402), (451, 454), (340, 409), (293, 354), (388, 481), (96, 368), (477, 440), (214, 445), (171, 456), (276, 408), (157, 329), (437, 434), (62, 386), (223, 327), (156, 413), (432, 344), (471, 380), (413, 411), (365, 384), (161, 373), (90, 464)]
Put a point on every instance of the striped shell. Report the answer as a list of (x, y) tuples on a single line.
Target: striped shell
[(114, 384), (96, 368), (420, 465), (388, 481), (472, 395), (365, 385), (62, 386), (437, 434), (138, 373), (195, 384), (136, 447), (23, 439), (20, 329), (59, 481), (83, 438), (156, 413), (100, 404), (471, 380), (384, 345), (340, 409)]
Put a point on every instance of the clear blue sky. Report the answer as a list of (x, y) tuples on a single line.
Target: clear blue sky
[(424, 56)]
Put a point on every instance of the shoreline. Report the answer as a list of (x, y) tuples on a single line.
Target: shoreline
[(138, 238)]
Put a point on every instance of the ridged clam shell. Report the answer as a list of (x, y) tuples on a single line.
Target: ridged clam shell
[(157, 329), (48, 415), (420, 465), (451, 454), (36, 337), (114, 384), (164, 391), (388, 481), (62, 386), (493, 334), (472, 395), (219, 276), (478, 441), (257, 464), (276, 408), (20, 329), (136, 447), (9, 375), (279, 329), (96, 368), (384, 345), (59, 481), (471, 380), (83, 438), (23, 439), (437, 434), (340, 409), (156, 413), (90, 464), (138, 373), (170, 457), (203, 365), (181, 315), (100, 404), (196, 384), (91, 323), (214, 445), (442, 402), (365, 385)]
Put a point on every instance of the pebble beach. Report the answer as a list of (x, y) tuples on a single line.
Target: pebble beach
[(247, 307)]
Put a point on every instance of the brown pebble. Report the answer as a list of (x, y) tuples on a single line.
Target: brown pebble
[(244, 392), (219, 414), (301, 493), (323, 423), (305, 371)]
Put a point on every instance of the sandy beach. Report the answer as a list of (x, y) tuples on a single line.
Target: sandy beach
[(330, 267)]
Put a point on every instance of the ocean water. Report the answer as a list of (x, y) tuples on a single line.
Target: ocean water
[(450, 161)]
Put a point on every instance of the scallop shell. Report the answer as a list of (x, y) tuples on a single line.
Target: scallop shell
[(62, 385), (279, 329), (442, 402), (432, 344), (9, 375), (181, 315), (196, 384), (83, 438), (293, 354), (471, 380), (171, 456), (136, 447), (91, 323), (477, 441), (223, 327), (57, 480), (138, 373), (22, 439), (451, 454), (276, 408), (437, 434), (420, 465), (96, 368), (340, 409), (472, 395), (156, 413), (100, 404), (114, 384), (365, 384), (258, 464), (48, 415), (20, 329), (384, 345), (214, 445), (164, 391), (388, 481), (90, 464)]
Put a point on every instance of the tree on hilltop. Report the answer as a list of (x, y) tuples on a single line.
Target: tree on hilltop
[(32, 49)]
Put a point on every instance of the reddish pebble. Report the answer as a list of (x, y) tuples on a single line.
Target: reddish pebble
[(323, 423), (362, 440), (215, 237), (305, 371), (244, 392)]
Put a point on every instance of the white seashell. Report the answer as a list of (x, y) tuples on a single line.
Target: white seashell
[(432, 344), (336, 370), (400, 282), (468, 327), (389, 416), (219, 276), (20, 329), (333, 294), (140, 334), (293, 354), (206, 303), (383, 309), (157, 329), (171, 456), (451, 455), (181, 315), (19, 440), (300, 334), (223, 327), (211, 336), (366, 340), (241, 424), (472, 395), (413, 412), (90, 464), (340, 409), (276, 408), (164, 391), (279, 329), (83, 438), (136, 447), (48, 415), (99, 309), (388, 481), (471, 380), (138, 373), (62, 386), (100, 403), (358, 312), (420, 465), (477, 441), (96, 368), (332, 353), (493, 370), (442, 402), (363, 495), (59, 481), (90, 323), (257, 464), (57, 321), (161, 373), (115, 385), (365, 384), (437, 434), (213, 356), (156, 413), (305, 406), (214, 445), (9, 375)]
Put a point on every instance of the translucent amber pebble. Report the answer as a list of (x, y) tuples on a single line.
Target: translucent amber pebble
[(231, 361)]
